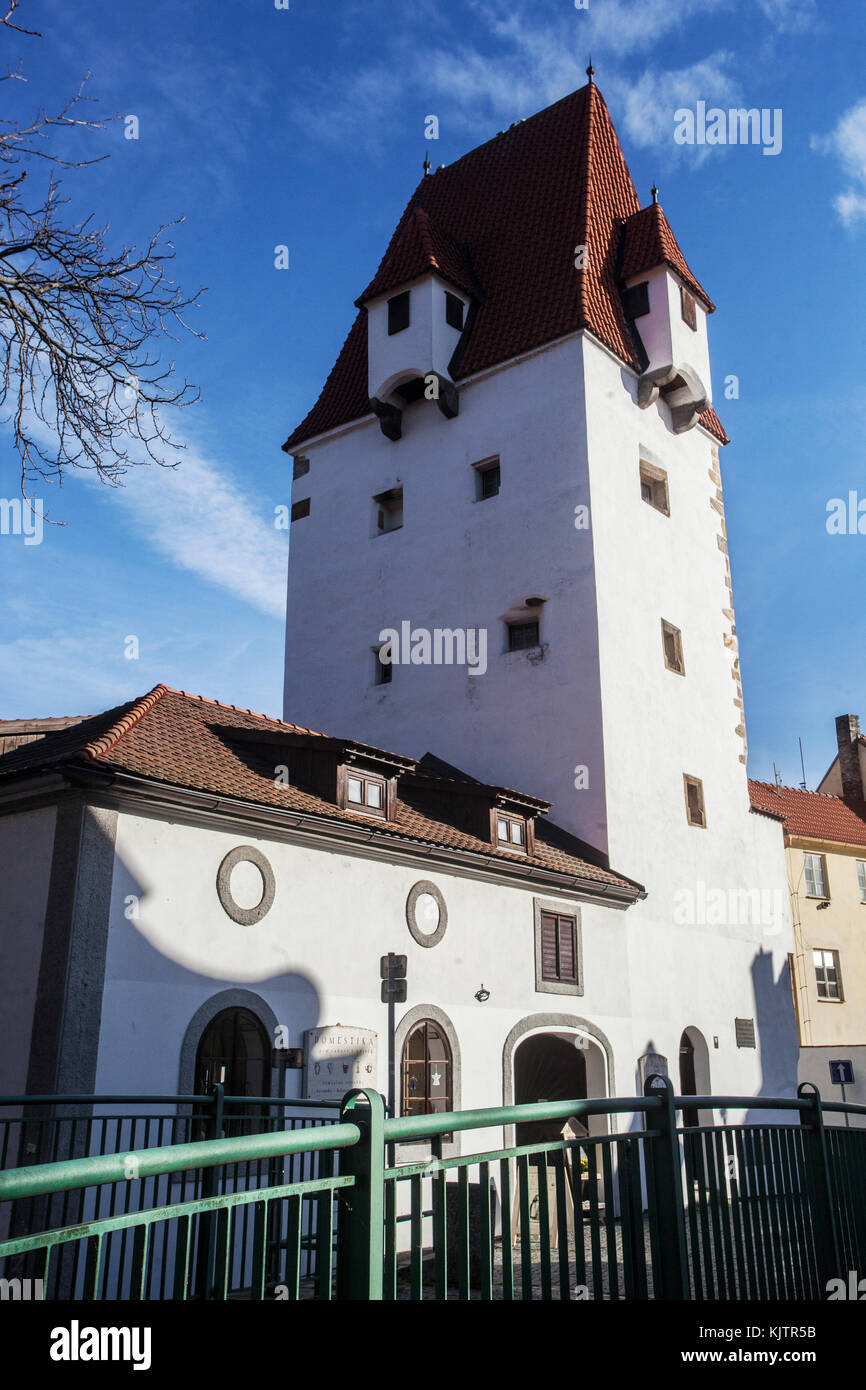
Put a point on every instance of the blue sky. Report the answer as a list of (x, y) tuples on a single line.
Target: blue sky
[(305, 127)]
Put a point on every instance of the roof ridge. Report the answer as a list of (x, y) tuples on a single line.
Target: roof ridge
[(98, 747), (777, 787), (242, 709)]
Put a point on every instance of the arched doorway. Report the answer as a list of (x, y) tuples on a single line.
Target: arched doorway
[(694, 1073), (547, 1067), (234, 1051)]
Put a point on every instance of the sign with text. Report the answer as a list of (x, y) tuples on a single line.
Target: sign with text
[(338, 1058)]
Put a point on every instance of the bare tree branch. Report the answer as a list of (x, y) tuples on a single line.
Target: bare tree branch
[(81, 379)]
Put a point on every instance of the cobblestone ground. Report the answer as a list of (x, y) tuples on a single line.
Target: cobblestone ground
[(609, 1269)]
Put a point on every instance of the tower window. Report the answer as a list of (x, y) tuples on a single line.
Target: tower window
[(488, 479), (383, 672), (827, 975), (672, 645), (522, 636), (365, 792), (389, 510), (694, 789), (453, 311), (398, 313), (654, 487), (300, 509), (688, 308), (558, 949), (861, 879)]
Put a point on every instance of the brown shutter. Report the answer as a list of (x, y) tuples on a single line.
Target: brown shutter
[(567, 966), (548, 946)]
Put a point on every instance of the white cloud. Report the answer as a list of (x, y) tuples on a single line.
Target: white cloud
[(202, 520), (848, 143), (790, 16), (650, 102)]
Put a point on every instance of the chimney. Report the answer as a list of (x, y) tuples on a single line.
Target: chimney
[(848, 741)]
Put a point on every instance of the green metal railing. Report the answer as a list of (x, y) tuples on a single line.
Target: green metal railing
[(654, 1210)]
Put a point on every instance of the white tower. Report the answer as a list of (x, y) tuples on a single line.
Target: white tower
[(516, 447)]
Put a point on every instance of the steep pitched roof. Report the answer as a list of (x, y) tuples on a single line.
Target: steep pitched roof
[(418, 247), (183, 740), (648, 242), (812, 815), (510, 214)]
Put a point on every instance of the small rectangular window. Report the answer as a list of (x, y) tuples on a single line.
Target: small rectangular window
[(453, 311), (488, 479), (300, 466), (694, 789), (672, 645), (827, 975), (522, 636), (688, 308), (510, 830), (300, 509), (398, 313), (654, 487), (365, 792), (389, 510), (861, 879), (816, 876), (383, 671)]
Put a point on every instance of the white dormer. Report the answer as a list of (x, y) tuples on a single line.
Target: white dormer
[(412, 335), (674, 335)]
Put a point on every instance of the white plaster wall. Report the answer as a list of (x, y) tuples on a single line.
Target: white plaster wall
[(314, 958), (664, 333), (26, 847), (458, 562), (659, 725)]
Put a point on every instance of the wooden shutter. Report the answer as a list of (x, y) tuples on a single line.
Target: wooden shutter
[(567, 963), (548, 946)]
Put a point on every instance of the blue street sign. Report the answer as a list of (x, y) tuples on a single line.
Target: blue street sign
[(842, 1073)]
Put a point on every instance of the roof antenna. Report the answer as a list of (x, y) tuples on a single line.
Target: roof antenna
[(802, 766), (427, 165), (590, 72), (654, 191), (777, 776)]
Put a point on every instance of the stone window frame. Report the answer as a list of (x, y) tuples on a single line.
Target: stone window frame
[(417, 1150), (246, 854), (418, 890), (542, 986)]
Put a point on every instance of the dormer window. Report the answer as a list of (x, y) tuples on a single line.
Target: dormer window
[(510, 831), (454, 311), (365, 792), (398, 313)]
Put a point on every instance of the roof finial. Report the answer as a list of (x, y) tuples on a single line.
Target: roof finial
[(654, 191), (427, 165), (590, 72)]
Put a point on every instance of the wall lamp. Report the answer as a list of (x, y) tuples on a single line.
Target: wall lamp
[(482, 995)]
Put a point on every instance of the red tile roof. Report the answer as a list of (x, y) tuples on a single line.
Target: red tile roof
[(418, 247), (812, 815), (509, 215), (648, 242), (184, 740)]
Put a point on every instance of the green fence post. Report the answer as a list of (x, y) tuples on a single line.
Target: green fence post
[(207, 1230), (665, 1193), (361, 1211), (822, 1199)]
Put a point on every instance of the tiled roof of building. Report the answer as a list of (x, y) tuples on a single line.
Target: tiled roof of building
[(183, 740), (813, 815), (507, 218), (648, 242)]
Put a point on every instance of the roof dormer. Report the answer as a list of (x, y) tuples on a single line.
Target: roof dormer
[(667, 312), (417, 310)]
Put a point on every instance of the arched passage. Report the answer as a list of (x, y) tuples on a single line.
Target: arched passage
[(694, 1072), (547, 1067)]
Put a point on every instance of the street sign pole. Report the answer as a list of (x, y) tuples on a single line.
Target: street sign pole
[(392, 969)]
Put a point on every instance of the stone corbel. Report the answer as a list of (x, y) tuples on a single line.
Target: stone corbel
[(390, 418)]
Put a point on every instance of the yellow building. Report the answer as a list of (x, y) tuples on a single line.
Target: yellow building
[(825, 842)]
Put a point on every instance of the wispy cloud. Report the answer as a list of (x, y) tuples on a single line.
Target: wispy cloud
[(202, 520), (649, 104), (848, 143)]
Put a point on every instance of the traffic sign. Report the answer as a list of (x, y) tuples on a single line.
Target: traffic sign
[(842, 1072)]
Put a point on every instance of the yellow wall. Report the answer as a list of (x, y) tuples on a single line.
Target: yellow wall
[(840, 927)]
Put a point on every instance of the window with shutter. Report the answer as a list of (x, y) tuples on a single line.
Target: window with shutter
[(558, 968)]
